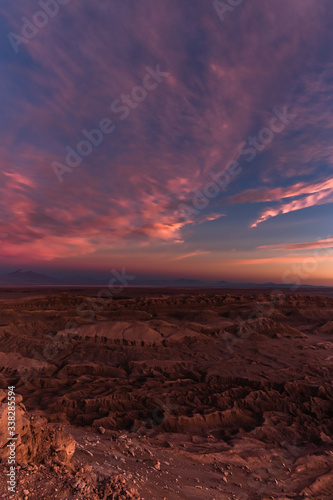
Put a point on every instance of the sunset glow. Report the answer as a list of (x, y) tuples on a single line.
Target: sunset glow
[(158, 137)]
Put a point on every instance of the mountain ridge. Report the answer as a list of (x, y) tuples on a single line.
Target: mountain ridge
[(25, 278)]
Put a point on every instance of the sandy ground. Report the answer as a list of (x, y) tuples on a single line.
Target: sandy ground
[(198, 394)]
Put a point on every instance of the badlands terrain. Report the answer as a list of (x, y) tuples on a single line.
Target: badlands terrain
[(168, 394)]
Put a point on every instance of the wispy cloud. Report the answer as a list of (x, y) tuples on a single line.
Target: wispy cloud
[(318, 194), (318, 198), (189, 255), (306, 245), (274, 194), (296, 259), (127, 192)]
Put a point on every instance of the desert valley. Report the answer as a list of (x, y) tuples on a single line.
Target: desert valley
[(167, 394), (166, 250)]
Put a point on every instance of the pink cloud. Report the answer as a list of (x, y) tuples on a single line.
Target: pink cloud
[(318, 198), (191, 254), (268, 194), (307, 245), (130, 188), (274, 260)]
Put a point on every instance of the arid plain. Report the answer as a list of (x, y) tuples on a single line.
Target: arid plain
[(169, 393)]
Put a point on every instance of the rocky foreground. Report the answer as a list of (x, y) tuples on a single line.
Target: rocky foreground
[(166, 396)]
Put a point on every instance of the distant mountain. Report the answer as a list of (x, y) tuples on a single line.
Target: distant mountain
[(221, 283), (187, 282), (27, 278), (22, 278), (165, 282), (184, 282), (270, 284)]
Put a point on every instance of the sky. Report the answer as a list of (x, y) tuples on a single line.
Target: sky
[(171, 138)]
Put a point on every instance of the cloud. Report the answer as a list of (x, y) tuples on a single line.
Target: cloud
[(129, 189), (273, 194), (274, 260), (319, 198), (300, 159), (189, 255), (318, 194), (307, 245)]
